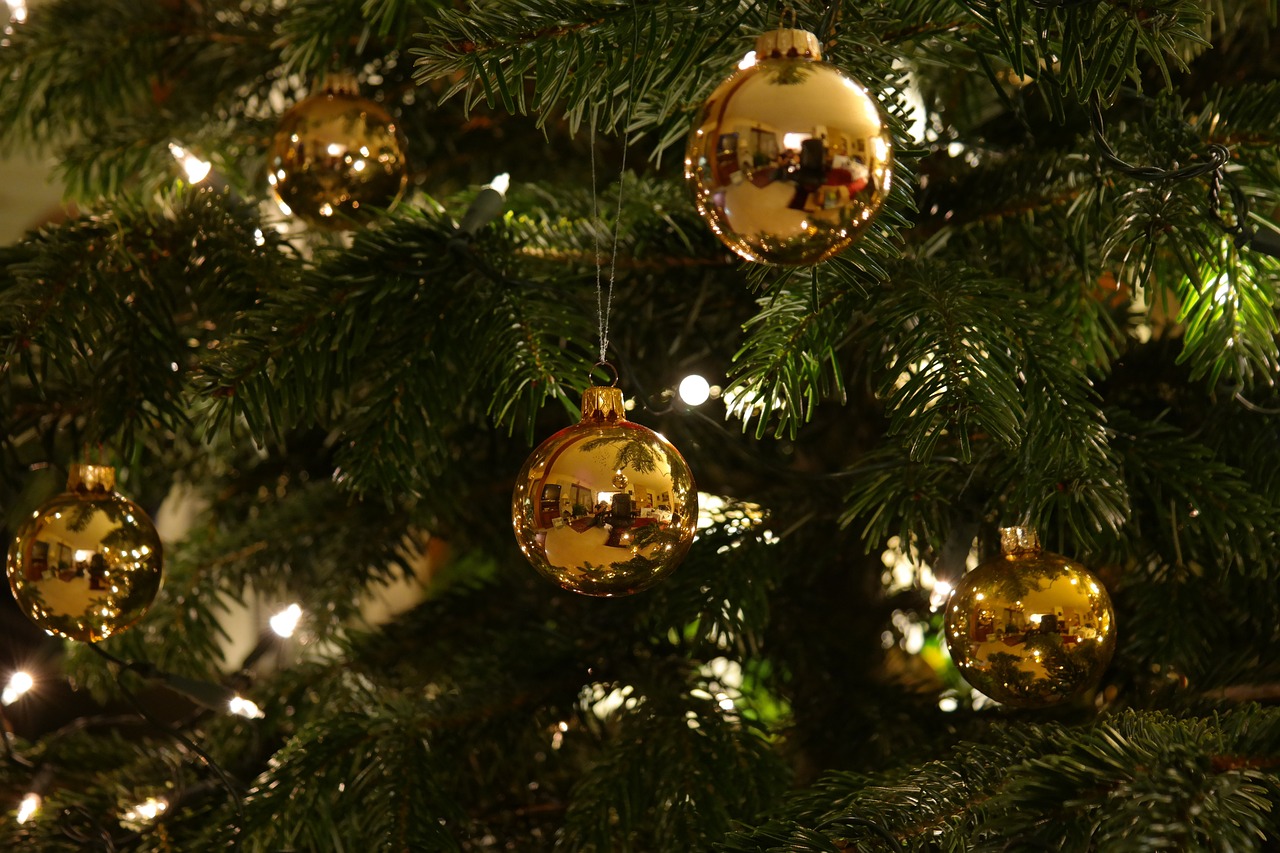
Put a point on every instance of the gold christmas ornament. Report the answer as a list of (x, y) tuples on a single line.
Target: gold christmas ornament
[(1029, 628), (605, 507), (790, 158), (86, 564), (337, 158)]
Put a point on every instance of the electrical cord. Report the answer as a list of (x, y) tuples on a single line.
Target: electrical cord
[(1241, 230), (149, 670)]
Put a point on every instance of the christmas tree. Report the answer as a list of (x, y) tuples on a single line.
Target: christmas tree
[(1062, 317)]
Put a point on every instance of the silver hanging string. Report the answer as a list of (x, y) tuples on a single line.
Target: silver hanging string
[(602, 320), (604, 298)]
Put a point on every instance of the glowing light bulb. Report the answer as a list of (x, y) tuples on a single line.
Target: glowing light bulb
[(145, 812), (19, 683), (245, 708), (694, 390), (286, 621), (197, 170), (501, 183), (30, 805), (747, 61)]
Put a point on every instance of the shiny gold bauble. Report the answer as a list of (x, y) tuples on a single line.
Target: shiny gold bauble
[(605, 507), (789, 159), (337, 158), (1030, 629), (86, 564)]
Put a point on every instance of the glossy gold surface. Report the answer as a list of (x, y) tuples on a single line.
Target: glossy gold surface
[(789, 159), (86, 565), (336, 159), (1030, 628), (605, 507)]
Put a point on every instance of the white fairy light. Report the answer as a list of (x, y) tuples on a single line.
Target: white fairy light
[(285, 622), (17, 10), (30, 805), (197, 170), (145, 812), (19, 683), (694, 390), (245, 708), (501, 183)]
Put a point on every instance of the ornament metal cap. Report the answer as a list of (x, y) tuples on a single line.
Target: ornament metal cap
[(788, 42), (602, 403), (1019, 540), (339, 83), (90, 478)]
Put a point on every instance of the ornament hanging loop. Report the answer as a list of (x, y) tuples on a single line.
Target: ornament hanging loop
[(610, 369)]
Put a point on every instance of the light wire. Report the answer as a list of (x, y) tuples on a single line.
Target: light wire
[(147, 669)]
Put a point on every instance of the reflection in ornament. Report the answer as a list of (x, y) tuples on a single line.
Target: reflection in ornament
[(1030, 629), (605, 507), (86, 565), (337, 158), (790, 158)]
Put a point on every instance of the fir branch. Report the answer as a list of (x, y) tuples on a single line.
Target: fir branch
[(623, 802), (950, 360), (1188, 494), (326, 786), (1079, 51), (561, 50), (106, 317), (789, 361), (1056, 787)]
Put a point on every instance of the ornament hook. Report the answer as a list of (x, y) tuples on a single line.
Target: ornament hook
[(610, 369)]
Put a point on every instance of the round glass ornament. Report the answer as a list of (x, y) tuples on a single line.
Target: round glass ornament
[(87, 563), (337, 158), (1030, 629), (790, 158), (605, 507)]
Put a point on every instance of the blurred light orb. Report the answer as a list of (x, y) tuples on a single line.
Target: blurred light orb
[(285, 622)]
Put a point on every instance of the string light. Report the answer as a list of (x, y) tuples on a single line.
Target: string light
[(197, 170), (30, 805), (286, 621), (19, 683), (694, 390), (487, 206), (145, 812), (245, 708), (17, 10)]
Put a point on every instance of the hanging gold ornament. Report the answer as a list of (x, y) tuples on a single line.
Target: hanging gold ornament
[(1030, 628), (790, 158), (86, 564), (337, 158), (605, 507)]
